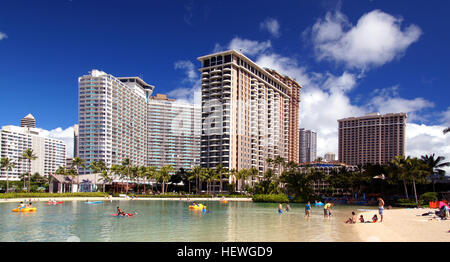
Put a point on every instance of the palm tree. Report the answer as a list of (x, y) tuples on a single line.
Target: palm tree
[(196, 173), (234, 174), (98, 167), (29, 155), (62, 170), (151, 173), (281, 162), (446, 130), (397, 168), (117, 171), (78, 163), (435, 166), (220, 171), (243, 174), (253, 172), (8, 165), (126, 168), (164, 175), (106, 175), (416, 170), (209, 175)]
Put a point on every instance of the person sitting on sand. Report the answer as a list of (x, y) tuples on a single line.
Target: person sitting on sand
[(361, 219), (374, 218), (351, 220)]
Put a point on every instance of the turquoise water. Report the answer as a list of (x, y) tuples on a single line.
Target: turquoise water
[(168, 221)]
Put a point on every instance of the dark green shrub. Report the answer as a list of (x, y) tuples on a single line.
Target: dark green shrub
[(271, 198), (429, 197)]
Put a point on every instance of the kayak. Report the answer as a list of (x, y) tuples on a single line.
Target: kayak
[(33, 209), (95, 202), (199, 207), (126, 215), (54, 203), (318, 204)]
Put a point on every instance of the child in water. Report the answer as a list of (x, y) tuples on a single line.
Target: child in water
[(280, 209)]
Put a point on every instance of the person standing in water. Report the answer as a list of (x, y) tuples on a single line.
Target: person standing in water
[(308, 209), (327, 210), (288, 208), (280, 209), (381, 208)]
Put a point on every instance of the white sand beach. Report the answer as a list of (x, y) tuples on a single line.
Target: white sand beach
[(404, 225)]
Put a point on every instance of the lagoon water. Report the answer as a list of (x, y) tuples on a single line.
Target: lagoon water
[(170, 221)]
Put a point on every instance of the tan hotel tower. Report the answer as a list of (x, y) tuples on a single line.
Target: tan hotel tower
[(249, 113), (373, 138)]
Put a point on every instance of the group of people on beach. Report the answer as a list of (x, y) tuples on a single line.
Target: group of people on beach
[(352, 220), (327, 212)]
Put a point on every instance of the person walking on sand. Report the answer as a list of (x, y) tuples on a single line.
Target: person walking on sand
[(380, 208)]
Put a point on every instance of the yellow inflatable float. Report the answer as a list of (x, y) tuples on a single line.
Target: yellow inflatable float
[(197, 207), (27, 209)]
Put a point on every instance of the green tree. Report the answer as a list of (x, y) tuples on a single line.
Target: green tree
[(8, 166), (435, 167), (126, 171), (397, 170), (77, 164), (29, 155), (70, 172), (164, 175), (196, 173), (220, 172)]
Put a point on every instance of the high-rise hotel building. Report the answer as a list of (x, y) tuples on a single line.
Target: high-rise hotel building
[(112, 118), (14, 140), (173, 133), (249, 113), (307, 145), (373, 138)]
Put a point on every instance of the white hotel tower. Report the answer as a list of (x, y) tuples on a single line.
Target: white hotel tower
[(112, 118), (14, 140)]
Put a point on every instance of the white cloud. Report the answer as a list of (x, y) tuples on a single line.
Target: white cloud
[(65, 135), (272, 26), (426, 140), (191, 94), (387, 100), (376, 39), (189, 68), (249, 47), (446, 117), (3, 36)]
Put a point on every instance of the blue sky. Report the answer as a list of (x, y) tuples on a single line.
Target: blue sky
[(46, 45)]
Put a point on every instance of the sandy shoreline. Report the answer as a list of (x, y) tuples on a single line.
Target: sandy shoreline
[(403, 225), (45, 199)]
